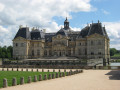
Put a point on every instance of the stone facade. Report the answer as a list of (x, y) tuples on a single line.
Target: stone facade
[(90, 43)]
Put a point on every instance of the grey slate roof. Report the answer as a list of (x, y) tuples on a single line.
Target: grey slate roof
[(62, 32), (37, 35), (87, 31), (96, 28), (84, 32), (92, 29), (23, 32), (48, 37)]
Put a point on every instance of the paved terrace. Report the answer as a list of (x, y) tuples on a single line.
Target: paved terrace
[(88, 80)]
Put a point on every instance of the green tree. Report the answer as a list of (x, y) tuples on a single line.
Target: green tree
[(0, 52), (112, 51), (9, 51)]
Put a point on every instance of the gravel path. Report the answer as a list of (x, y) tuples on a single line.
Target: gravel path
[(88, 80)]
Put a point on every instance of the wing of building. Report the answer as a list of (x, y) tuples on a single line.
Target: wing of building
[(90, 43)]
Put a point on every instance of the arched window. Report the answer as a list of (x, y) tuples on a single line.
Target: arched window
[(32, 52)]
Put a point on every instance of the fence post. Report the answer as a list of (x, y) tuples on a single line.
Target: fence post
[(21, 80), (29, 79), (45, 77), (57, 75), (49, 77), (35, 78), (14, 82), (53, 75), (40, 77), (5, 84)]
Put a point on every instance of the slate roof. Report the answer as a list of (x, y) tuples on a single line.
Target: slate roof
[(23, 32), (62, 32), (96, 28), (92, 29), (84, 32), (48, 37), (37, 34)]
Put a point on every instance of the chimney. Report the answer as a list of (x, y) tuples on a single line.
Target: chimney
[(20, 26), (33, 28), (44, 30)]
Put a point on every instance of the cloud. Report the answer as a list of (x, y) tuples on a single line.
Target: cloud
[(37, 13), (1, 7), (113, 29)]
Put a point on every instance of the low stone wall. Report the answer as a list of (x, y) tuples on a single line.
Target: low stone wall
[(35, 79)]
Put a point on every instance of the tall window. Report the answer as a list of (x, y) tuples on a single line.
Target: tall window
[(16, 44), (38, 52), (92, 53), (91, 42), (85, 51), (99, 53), (80, 44), (79, 52), (32, 52), (45, 52)]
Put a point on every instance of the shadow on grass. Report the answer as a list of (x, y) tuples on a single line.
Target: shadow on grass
[(114, 75)]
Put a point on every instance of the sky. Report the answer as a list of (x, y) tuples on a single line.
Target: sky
[(50, 15)]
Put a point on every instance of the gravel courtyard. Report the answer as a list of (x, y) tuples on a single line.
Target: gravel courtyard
[(88, 80)]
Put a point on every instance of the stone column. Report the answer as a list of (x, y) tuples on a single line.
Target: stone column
[(14, 82), (21, 80), (57, 75), (53, 75), (40, 77), (49, 77), (45, 77), (5, 84), (29, 79), (63, 74), (35, 78), (60, 74)]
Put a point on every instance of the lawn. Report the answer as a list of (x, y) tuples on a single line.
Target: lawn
[(10, 74), (116, 55)]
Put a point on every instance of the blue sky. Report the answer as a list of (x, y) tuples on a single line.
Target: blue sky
[(50, 14), (106, 11)]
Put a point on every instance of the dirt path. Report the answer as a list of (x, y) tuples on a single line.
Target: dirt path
[(89, 80)]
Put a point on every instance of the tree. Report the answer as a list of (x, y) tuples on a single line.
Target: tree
[(112, 51)]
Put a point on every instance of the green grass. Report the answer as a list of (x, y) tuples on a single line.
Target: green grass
[(116, 55), (18, 74)]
